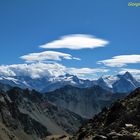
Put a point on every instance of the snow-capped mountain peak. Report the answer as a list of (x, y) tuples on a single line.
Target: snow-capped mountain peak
[(118, 83)]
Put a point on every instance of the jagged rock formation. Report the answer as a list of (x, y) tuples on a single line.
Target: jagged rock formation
[(27, 115), (119, 122)]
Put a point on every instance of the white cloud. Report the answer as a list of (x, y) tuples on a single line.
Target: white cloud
[(83, 72), (47, 55), (34, 70), (37, 70), (122, 60), (5, 71), (76, 41)]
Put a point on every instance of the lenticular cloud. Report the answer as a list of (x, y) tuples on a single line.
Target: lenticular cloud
[(76, 42)]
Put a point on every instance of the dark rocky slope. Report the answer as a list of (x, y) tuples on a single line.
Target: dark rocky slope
[(26, 115), (119, 122), (14, 123), (85, 102)]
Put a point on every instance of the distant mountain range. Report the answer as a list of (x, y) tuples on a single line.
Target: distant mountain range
[(117, 84), (67, 102), (45, 84), (83, 97)]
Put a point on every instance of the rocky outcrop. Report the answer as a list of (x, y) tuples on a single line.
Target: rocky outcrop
[(119, 122)]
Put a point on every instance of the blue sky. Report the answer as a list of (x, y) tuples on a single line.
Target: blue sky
[(25, 25)]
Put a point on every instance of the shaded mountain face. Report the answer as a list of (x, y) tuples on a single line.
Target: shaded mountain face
[(102, 83), (27, 114), (4, 87), (121, 121), (85, 102), (126, 83), (121, 83)]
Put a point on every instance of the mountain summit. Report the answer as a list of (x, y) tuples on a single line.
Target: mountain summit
[(125, 83)]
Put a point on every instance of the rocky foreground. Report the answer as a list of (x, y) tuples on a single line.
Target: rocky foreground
[(26, 115), (119, 122)]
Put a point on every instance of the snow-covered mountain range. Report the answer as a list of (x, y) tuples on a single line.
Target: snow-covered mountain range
[(124, 83)]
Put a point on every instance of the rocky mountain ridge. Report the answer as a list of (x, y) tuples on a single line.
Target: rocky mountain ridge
[(85, 102)]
